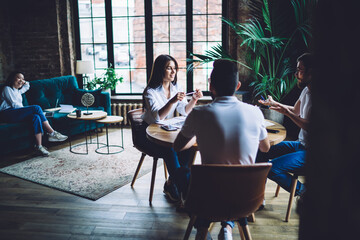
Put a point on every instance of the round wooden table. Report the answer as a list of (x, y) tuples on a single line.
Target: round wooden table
[(155, 133), (96, 114)]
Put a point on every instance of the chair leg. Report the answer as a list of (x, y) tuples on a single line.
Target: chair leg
[(251, 218), (277, 190), (244, 232), (153, 179), (291, 198), (138, 169), (189, 227), (165, 171)]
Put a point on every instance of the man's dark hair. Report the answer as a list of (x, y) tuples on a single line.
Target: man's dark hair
[(308, 60), (224, 77)]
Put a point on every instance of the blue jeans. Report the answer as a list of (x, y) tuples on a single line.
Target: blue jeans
[(32, 113), (182, 178), (287, 156), (172, 159)]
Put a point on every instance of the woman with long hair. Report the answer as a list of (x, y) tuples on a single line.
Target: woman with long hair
[(12, 110), (161, 97)]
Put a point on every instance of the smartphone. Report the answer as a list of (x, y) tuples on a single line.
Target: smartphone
[(169, 127), (272, 130)]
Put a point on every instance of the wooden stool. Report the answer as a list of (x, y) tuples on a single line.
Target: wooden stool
[(108, 120)]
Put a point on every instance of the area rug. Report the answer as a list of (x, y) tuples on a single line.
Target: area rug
[(90, 176)]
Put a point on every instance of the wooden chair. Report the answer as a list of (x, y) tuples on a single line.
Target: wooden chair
[(292, 193), (136, 121), (225, 192)]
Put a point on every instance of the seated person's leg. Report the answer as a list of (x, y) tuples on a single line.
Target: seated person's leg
[(277, 150), (182, 180), (281, 167)]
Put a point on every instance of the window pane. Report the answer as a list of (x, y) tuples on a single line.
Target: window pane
[(178, 51), (214, 28), (160, 29), (161, 48), (87, 52), (101, 57), (160, 7), (85, 31), (178, 7), (181, 76), (121, 55), (120, 30), (138, 78), (135, 85), (200, 23), (84, 8), (119, 8), (215, 6), (199, 7), (177, 28), (99, 30), (123, 87), (201, 76), (98, 8), (138, 56), (138, 29)]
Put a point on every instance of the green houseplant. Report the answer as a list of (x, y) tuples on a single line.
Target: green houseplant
[(270, 52), (108, 80)]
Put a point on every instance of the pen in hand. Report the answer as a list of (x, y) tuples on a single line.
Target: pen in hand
[(190, 93)]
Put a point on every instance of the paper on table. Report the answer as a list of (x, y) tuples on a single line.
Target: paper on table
[(66, 108), (174, 122), (268, 124)]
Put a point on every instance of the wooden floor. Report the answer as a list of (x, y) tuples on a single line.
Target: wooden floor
[(33, 211)]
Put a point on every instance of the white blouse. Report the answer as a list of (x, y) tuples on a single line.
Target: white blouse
[(155, 99), (11, 97)]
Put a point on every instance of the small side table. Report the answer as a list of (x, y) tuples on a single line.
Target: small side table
[(108, 120), (96, 114)]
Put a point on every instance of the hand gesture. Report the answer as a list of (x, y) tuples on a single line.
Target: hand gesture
[(197, 94), (178, 97), (281, 109), (268, 102)]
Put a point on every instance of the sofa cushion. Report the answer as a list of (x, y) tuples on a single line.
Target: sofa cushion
[(78, 93), (46, 92)]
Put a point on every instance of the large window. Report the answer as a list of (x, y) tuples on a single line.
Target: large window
[(130, 34)]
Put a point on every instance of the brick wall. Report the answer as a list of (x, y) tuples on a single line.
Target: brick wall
[(36, 39)]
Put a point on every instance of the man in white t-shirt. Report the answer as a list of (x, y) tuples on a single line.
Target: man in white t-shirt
[(289, 156), (227, 132)]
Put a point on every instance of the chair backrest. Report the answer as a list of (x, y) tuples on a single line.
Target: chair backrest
[(226, 192), (136, 123)]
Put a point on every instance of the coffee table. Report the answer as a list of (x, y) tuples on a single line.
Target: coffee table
[(109, 120), (95, 115)]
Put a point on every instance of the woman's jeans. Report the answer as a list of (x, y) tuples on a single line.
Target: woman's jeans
[(287, 156), (32, 113), (172, 159)]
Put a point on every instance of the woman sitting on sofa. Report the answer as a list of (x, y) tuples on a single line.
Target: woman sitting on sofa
[(12, 110)]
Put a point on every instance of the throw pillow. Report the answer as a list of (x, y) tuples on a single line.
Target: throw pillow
[(78, 93)]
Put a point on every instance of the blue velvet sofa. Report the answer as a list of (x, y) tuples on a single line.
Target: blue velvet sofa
[(45, 93)]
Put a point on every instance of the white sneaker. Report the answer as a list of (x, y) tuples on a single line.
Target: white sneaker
[(225, 234), (41, 150), (56, 137)]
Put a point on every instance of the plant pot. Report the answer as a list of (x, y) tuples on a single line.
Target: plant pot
[(272, 115)]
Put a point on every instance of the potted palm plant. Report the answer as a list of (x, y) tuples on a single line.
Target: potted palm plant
[(270, 53), (107, 81)]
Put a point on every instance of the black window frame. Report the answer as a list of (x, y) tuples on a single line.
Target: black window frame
[(149, 37)]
